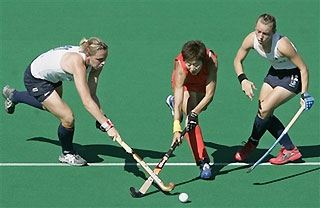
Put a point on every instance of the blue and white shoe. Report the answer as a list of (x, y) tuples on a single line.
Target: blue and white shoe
[(170, 103), (205, 171)]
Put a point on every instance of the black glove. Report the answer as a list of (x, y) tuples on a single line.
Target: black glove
[(98, 126), (192, 121)]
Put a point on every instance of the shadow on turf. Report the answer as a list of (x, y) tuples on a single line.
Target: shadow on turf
[(225, 155), (287, 177), (169, 193), (91, 154)]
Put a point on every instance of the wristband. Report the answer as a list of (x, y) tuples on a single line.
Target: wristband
[(107, 125), (305, 95), (242, 77), (176, 126)]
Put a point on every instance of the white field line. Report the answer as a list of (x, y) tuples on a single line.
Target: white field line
[(150, 164)]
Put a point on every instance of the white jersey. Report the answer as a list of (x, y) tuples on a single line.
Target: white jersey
[(275, 59), (47, 66)]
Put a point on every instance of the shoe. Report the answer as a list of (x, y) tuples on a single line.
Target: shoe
[(205, 171), (286, 156), (245, 151), (170, 103), (72, 159), (7, 93)]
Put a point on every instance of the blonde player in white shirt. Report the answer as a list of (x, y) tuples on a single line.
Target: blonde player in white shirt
[(287, 76), (43, 79)]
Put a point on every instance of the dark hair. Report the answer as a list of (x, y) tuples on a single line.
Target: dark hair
[(193, 50), (267, 19)]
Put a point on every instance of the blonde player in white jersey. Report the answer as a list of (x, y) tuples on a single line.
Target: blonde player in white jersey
[(43, 79), (287, 76)]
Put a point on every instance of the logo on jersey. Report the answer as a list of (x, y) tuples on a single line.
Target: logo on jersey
[(35, 89), (294, 81), (46, 94)]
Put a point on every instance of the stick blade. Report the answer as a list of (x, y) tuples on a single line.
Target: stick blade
[(168, 187), (135, 194)]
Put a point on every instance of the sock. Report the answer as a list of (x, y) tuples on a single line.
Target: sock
[(66, 137), (25, 97), (276, 128), (259, 128), (197, 145)]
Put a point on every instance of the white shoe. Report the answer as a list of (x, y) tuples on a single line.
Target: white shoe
[(7, 93), (72, 159), (170, 103)]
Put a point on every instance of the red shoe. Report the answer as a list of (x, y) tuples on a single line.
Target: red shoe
[(286, 156), (245, 151)]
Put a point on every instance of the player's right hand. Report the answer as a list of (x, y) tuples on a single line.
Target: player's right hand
[(248, 87), (308, 100), (114, 134)]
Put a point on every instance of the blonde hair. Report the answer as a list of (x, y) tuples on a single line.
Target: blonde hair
[(92, 45)]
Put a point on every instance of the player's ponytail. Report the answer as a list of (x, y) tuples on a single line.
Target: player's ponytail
[(92, 45)]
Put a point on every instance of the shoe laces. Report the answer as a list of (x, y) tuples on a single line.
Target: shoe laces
[(73, 157), (70, 156), (287, 153)]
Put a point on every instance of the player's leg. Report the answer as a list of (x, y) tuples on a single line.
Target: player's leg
[(269, 99), (62, 111), (13, 97), (33, 85), (195, 139), (288, 151)]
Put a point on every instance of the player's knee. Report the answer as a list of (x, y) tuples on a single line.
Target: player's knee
[(264, 111), (68, 120)]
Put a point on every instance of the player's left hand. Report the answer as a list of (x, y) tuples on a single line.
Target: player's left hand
[(177, 138), (192, 121), (308, 100)]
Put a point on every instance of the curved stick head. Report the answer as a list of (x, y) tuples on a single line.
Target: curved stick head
[(168, 187)]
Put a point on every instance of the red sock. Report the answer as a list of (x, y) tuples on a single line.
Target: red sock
[(197, 145)]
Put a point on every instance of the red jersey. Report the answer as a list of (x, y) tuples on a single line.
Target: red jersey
[(196, 83)]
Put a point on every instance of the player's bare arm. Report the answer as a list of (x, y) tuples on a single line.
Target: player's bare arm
[(93, 84), (179, 79), (286, 49), (247, 44), (75, 65), (210, 85)]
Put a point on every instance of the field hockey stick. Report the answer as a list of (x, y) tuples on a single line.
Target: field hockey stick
[(155, 177), (293, 120), (157, 170)]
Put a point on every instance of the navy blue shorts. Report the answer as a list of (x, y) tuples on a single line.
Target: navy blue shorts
[(38, 88), (289, 79)]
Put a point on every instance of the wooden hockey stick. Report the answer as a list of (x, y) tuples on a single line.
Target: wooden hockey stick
[(157, 170), (155, 177)]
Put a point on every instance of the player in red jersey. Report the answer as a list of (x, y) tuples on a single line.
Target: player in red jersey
[(194, 81)]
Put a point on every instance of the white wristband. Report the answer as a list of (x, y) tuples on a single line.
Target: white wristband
[(107, 125)]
